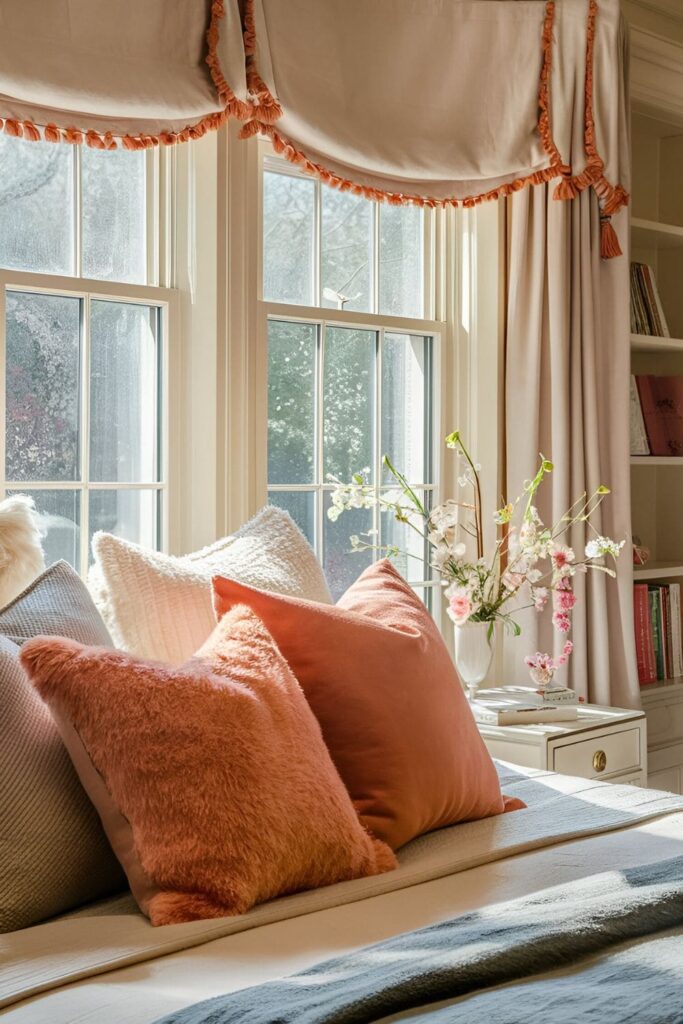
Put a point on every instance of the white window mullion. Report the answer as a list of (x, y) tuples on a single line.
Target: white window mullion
[(376, 518), (319, 454), (3, 402), (78, 206), (85, 434)]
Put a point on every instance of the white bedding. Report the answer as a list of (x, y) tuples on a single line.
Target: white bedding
[(459, 869)]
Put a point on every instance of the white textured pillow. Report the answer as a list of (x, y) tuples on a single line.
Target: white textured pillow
[(158, 606)]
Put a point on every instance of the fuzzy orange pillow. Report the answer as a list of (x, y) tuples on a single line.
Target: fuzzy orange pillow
[(394, 715), (212, 780)]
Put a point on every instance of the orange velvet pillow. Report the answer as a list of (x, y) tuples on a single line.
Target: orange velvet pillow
[(212, 779), (381, 682)]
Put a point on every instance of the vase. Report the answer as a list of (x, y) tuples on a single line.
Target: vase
[(473, 653)]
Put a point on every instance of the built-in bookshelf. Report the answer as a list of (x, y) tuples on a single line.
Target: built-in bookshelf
[(657, 480)]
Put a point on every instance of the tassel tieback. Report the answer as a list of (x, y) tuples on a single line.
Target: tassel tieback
[(609, 243)]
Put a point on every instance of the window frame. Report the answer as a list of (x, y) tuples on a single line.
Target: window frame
[(436, 235), (160, 210)]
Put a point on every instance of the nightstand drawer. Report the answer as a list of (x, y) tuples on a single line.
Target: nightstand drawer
[(599, 756)]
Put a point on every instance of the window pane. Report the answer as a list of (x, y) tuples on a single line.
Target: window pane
[(42, 387), (412, 560), (342, 565), (347, 251), (348, 401), (132, 515), (114, 217), (291, 402), (36, 206), (405, 406), (301, 507), (123, 398), (400, 261), (60, 515), (288, 238)]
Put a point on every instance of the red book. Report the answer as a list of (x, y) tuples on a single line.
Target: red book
[(662, 401), (654, 425), (645, 649)]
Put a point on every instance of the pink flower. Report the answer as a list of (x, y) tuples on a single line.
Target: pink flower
[(459, 606), (562, 557), (540, 596), (562, 622), (566, 651), (563, 600)]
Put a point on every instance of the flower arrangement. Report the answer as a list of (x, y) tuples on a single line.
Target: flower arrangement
[(531, 565)]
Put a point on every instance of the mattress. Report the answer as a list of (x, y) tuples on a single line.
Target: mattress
[(106, 964)]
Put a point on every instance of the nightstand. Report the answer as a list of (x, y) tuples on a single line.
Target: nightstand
[(603, 743)]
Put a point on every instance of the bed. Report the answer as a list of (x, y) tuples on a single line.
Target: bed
[(106, 964)]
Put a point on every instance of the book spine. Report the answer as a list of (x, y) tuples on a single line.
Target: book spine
[(665, 603), (655, 618), (639, 442), (643, 629), (648, 293), (659, 309), (676, 630)]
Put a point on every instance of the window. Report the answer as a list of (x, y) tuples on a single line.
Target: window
[(83, 340), (351, 362)]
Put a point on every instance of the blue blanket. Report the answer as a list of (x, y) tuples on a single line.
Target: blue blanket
[(603, 917)]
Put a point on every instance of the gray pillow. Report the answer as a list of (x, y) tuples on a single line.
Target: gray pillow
[(53, 852)]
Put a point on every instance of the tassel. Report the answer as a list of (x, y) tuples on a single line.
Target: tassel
[(31, 132), (609, 243), (51, 133)]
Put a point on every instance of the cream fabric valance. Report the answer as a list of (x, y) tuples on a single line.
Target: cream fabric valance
[(112, 72), (436, 102)]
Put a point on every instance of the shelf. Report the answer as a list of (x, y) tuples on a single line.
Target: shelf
[(657, 460), (656, 571), (651, 234), (647, 343)]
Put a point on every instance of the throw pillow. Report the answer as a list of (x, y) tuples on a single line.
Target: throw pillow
[(212, 779), (158, 606), (393, 713), (54, 854), (21, 552)]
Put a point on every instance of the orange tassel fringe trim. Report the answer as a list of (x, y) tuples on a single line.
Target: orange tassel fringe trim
[(261, 110)]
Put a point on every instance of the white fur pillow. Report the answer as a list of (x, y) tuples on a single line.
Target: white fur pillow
[(21, 552), (158, 606)]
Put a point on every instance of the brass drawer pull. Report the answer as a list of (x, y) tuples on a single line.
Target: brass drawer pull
[(599, 760)]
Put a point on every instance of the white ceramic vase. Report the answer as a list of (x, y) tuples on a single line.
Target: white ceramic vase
[(473, 653)]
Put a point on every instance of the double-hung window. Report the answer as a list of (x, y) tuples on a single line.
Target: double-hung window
[(353, 356), (84, 328)]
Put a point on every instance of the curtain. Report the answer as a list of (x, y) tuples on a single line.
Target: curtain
[(567, 392)]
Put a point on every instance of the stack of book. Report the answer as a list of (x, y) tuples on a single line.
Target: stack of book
[(647, 315), (520, 705), (657, 612), (656, 415)]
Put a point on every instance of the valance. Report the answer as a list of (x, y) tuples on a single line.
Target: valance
[(432, 102), (119, 72)]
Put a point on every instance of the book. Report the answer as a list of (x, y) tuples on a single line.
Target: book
[(647, 312), (676, 637), (647, 669), (639, 442), (530, 695), (511, 712), (655, 619), (661, 400), (665, 601)]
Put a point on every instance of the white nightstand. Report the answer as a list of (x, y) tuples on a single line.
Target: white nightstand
[(603, 743)]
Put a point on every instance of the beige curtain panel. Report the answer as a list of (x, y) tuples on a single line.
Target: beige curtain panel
[(436, 102)]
